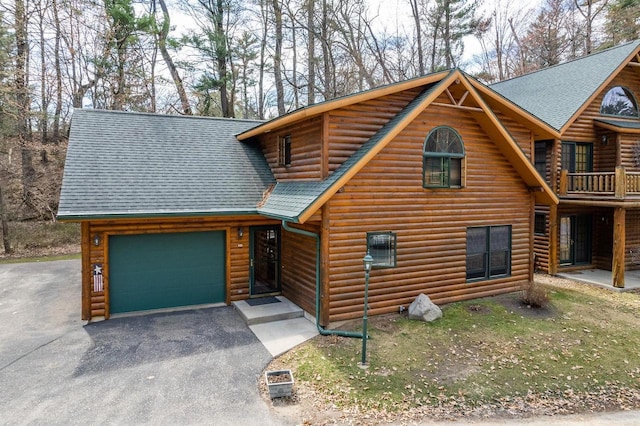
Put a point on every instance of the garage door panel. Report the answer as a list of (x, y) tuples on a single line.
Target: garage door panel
[(153, 271)]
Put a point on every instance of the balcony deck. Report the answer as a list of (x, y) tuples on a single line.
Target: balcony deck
[(618, 185)]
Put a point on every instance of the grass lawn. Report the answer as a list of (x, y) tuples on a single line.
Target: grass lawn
[(486, 357)]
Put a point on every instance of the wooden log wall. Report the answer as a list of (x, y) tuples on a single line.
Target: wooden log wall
[(96, 304), (541, 242), (347, 131), (522, 135), (632, 252), (630, 152), (602, 241), (431, 224), (306, 150), (299, 267)]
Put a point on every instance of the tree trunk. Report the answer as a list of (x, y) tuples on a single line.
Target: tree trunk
[(58, 111), (311, 59), (22, 101), (221, 60), (162, 44), (416, 17), (4, 224), (277, 57), (263, 48)]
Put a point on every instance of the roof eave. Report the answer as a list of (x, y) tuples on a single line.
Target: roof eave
[(87, 216)]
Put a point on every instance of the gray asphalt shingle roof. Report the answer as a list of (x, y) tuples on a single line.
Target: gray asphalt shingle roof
[(289, 200), (556, 93), (136, 164)]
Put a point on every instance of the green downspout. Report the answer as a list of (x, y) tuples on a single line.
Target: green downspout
[(321, 329)]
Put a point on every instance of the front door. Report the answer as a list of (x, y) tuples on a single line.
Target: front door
[(575, 239), (265, 260)]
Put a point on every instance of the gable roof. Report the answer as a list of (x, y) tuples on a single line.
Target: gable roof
[(297, 201), (558, 93), (123, 164)]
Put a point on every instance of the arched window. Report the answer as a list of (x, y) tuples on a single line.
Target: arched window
[(619, 101), (443, 154)]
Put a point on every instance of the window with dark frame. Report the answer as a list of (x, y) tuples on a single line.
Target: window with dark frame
[(382, 247), (540, 225), (540, 158), (488, 252), (443, 156), (284, 151)]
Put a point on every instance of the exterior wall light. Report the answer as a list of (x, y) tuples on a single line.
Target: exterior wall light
[(96, 240), (240, 232)]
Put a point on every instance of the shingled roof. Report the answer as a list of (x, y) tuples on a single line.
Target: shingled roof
[(135, 164), (556, 93)]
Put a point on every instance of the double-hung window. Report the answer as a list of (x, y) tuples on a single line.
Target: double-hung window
[(488, 252), (443, 156)]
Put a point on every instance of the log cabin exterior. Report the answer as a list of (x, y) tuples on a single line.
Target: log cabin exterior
[(432, 176), (593, 165)]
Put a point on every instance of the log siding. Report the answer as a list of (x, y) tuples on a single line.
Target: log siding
[(431, 225), (96, 304)]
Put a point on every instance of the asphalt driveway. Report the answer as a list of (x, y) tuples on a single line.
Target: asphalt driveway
[(190, 367)]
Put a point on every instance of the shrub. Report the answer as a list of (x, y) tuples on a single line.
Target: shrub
[(535, 295)]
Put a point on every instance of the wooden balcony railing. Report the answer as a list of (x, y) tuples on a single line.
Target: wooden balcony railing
[(618, 184)]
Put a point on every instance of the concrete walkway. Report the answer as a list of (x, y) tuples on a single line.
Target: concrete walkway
[(602, 278)]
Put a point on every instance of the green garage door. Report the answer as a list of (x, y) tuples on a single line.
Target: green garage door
[(153, 271)]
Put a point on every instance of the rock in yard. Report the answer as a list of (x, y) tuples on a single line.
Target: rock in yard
[(424, 309)]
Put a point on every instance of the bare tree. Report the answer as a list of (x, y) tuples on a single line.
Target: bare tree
[(162, 45), (589, 13)]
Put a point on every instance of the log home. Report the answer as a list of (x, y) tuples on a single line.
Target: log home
[(593, 164), (422, 174)]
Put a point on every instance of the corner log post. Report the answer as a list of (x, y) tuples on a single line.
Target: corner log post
[(619, 242)]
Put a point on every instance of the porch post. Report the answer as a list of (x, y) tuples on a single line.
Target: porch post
[(553, 239), (618, 264)]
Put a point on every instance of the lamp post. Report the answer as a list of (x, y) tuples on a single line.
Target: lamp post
[(368, 261)]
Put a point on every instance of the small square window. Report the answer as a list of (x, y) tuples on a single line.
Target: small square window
[(540, 226), (284, 151), (382, 247)]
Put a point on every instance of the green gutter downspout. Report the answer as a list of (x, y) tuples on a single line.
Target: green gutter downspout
[(321, 329)]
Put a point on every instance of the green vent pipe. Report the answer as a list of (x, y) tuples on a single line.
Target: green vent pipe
[(323, 331)]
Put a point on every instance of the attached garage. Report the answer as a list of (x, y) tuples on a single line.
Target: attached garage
[(154, 271)]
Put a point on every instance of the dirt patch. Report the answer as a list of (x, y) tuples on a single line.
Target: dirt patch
[(513, 303)]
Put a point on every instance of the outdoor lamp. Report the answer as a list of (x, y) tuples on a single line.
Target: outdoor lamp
[(96, 240), (368, 261)]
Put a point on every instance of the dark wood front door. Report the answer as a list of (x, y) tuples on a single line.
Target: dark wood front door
[(265, 260)]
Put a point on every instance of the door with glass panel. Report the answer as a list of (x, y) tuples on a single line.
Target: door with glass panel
[(575, 239)]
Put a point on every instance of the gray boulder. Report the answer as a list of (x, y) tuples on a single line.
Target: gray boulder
[(423, 309)]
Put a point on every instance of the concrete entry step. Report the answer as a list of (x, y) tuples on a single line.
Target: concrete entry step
[(278, 308)]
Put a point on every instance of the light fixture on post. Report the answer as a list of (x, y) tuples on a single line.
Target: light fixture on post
[(368, 262), (96, 240), (240, 232)]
